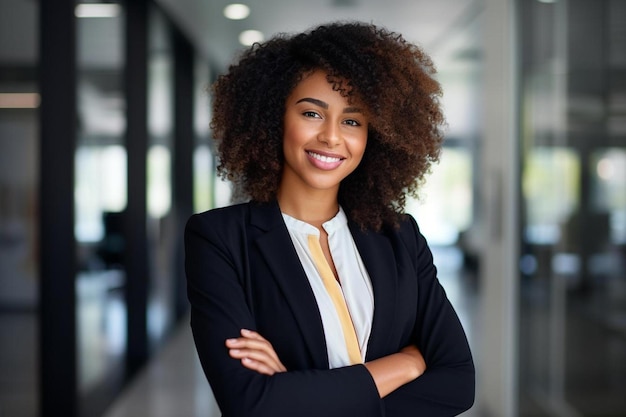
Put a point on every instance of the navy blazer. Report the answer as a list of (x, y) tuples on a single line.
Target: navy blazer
[(243, 272)]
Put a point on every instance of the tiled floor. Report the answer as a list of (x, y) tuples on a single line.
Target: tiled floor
[(171, 385)]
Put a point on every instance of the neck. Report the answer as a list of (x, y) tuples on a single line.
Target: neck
[(313, 208)]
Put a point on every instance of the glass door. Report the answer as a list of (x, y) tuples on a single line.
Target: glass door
[(573, 269)]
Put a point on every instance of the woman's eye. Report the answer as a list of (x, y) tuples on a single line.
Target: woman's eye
[(352, 122), (310, 114)]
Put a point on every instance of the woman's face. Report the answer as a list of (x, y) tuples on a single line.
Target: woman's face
[(324, 136)]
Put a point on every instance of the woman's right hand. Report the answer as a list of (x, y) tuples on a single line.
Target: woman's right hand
[(255, 352)]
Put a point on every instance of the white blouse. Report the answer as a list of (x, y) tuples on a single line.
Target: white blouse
[(355, 286)]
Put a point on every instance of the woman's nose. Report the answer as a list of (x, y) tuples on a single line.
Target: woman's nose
[(330, 134)]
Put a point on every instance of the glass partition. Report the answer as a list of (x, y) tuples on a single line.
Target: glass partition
[(19, 222), (161, 231), (573, 263), (100, 196)]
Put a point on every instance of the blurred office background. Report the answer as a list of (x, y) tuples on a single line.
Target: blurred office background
[(105, 150)]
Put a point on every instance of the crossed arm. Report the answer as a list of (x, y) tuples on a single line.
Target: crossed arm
[(389, 372)]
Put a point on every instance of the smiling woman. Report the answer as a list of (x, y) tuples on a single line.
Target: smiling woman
[(319, 296), (390, 77), (324, 139)]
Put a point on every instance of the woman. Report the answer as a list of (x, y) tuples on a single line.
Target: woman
[(318, 297)]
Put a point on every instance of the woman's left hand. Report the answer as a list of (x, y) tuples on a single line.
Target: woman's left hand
[(255, 353)]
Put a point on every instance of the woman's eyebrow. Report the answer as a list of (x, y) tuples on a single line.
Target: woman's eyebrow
[(314, 101), (324, 105)]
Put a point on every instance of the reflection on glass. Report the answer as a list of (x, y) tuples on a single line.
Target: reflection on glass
[(609, 189), (97, 194), (550, 184)]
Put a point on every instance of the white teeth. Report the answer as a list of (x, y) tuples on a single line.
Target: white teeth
[(324, 158)]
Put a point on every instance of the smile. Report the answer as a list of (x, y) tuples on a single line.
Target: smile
[(324, 158)]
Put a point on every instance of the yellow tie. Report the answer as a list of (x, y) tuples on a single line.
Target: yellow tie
[(332, 287)]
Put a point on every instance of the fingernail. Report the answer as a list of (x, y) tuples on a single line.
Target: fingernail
[(246, 331)]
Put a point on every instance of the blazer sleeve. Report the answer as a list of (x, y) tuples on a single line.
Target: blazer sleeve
[(215, 263), (447, 387)]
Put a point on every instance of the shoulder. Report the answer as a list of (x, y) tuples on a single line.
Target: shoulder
[(222, 214), (216, 234), (219, 216), (406, 228), (408, 235), (236, 219), (405, 234), (408, 231), (223, 221)]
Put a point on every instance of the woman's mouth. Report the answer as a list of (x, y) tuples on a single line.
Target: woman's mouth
[(325, 162)]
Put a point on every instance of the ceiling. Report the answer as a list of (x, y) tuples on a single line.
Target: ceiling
[(440, 27), (448, 30)]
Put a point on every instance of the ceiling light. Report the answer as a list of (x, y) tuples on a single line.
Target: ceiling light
[(236, 11), (249, 37), (97, 10), (344, 3)]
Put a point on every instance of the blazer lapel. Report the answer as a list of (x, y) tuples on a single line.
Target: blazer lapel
[(379, 261), (276, 247)]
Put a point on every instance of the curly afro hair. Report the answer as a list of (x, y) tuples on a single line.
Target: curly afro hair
[(392, 77)]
